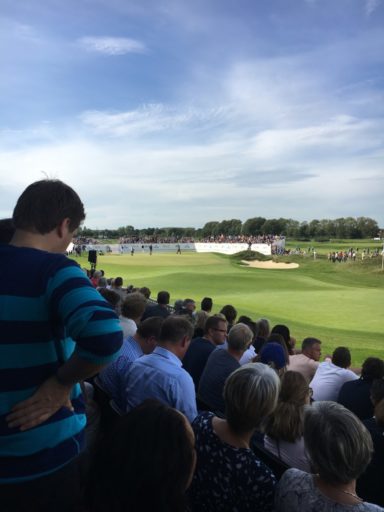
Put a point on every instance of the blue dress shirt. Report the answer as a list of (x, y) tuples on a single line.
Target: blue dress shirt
[(112, 377), (160, 376)]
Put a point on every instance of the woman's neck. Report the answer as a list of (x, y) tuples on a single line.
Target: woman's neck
[(341, 493), (227, 435)]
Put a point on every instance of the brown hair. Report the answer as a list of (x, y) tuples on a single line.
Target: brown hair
[(286, 422)]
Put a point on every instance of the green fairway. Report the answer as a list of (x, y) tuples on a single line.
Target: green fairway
[(340, 303)]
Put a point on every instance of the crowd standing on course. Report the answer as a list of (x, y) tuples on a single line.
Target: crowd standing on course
[(113, 401)]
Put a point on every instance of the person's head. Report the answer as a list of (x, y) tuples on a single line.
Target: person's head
[(377, 391), (133, 306), (264, 328), (118, 282), (338, 444), (145, 463), (176, 334), (7, 230), (216, 330), (284, 332), (373, 368), (110, 296), (286, 423), (274, 355), (240, 337), (144, 290), (277, 338), (243, 319), (45, 205), (250, 395), (163, 298), (102, 283), (230, 313), (311, 347), (148, 333), (200, 319), (341, 357), (189, 305), (207, 304)]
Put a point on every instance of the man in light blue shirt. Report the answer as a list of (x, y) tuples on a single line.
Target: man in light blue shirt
[(142, 342), (160, 375)]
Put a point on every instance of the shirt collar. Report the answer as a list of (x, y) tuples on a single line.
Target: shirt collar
[(167, 354)]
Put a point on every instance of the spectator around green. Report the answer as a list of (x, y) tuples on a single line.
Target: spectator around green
[(340, 303)]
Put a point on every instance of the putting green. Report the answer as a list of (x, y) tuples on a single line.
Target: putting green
[(341, 303)]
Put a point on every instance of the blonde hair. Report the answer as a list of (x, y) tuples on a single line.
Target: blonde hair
[(250, 394)]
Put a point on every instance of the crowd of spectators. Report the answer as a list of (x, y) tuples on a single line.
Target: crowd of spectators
[(114, 401), (255, 402)]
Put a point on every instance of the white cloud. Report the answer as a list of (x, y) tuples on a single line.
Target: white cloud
[(147, 118), (371, 6), (112, 45)]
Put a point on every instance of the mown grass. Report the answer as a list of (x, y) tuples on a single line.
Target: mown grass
[(340, 303)]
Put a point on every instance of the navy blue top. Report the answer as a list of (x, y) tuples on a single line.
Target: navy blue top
[(196, 357)]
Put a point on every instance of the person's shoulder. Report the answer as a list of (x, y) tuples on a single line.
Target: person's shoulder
[(294, 477)]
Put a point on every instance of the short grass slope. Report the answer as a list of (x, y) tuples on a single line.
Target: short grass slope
[(340, 303)]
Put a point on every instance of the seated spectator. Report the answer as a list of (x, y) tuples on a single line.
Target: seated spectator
[(370, 483), (263, 333), (110, 296), (228, 474), (308, 361), (159, 309), (331, 375), (220, 364), (188, 310), (285, 427), (117, 286), (250, 353), (159, 375), (145, 291), (200, 349), (132, 310), (339, 448), (145, 464), (230, 314), (207, 305), (142, 342), (200, 318), (275, 356), (278, 338), (285, 333), (355, 395)]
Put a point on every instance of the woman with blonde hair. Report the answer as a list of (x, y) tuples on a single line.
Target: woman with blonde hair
[(285, 427)]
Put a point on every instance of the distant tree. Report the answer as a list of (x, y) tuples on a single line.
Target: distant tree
[(230, 227), (367, 227), (210, 229), (274, 226), (252, 227), (292, 228)]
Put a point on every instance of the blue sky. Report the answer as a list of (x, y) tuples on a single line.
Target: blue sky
[(179, 112)]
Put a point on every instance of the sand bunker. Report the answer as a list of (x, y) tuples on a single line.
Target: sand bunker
[(270, 264)]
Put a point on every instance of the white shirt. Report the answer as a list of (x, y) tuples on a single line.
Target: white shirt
[(248, 355), (129, 326), (328, 380)]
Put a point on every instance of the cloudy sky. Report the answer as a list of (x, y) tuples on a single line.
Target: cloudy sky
[(179, 112)]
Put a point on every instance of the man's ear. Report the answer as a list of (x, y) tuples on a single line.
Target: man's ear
[(185, 341), (63, 228)]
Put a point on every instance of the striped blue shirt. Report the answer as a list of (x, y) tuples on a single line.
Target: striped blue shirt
[(46, 301)]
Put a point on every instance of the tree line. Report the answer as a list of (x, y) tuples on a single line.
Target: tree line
[(344, 227)]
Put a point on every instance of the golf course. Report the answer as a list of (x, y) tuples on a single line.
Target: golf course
[(339, 303)]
